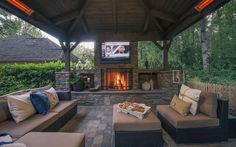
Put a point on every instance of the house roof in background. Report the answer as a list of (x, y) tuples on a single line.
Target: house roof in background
[(25, 48)]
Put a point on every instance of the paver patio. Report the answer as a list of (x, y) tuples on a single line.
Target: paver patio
[(96, 122)]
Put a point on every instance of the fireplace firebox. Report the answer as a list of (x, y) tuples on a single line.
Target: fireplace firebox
[(116, 79)]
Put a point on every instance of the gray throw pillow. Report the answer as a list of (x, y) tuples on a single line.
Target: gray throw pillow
[(208, 104), (4, 111)]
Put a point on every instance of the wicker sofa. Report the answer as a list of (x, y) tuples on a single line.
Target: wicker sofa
[(50, 122), (195, 129)]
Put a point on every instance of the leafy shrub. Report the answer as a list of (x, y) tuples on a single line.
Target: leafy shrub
[(21, 76)]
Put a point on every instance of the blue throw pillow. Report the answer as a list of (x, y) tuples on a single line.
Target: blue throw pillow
[(5, 139), (40, 102)]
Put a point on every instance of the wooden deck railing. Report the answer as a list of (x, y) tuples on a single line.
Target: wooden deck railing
[(226, 91)]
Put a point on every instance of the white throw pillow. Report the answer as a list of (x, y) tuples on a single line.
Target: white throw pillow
[(20, 106), (190, 95), (52, 97)]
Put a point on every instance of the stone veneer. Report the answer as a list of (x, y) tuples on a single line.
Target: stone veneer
[(100, 98), (132, 65), (164, 79), (62, 81)]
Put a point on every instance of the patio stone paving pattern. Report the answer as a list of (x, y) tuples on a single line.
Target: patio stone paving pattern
[(96, 123)]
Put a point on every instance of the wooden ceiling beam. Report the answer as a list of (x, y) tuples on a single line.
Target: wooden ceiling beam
[(147, 10), (65, 17), (74, 46), (146, 23), (187, 14), (158, 45), (77, 20), (83, 22), (163, 15), (119, 36), (44, 23), (114, 15)]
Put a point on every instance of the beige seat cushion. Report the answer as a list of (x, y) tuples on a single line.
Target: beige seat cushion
[(126, 122), (34, 123), (64, 106), (197, 121), (40, 139)]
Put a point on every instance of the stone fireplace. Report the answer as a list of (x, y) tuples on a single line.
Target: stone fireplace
[(117, 76), (120, 76)]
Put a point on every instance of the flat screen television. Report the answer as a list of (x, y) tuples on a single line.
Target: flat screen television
[(115, 52)]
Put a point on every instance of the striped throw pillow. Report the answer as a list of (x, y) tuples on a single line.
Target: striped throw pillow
[(190, 95)]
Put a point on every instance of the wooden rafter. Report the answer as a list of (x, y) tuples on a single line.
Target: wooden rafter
[(84, 25), (62, 45), (77, 20), (146, 23), (158, 45), (114, 15), (74, 46), (46, 20), (65, 17), (163, 15), (187, 14), (147, 10)]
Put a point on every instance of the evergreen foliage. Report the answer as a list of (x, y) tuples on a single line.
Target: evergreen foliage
[(185, 52)]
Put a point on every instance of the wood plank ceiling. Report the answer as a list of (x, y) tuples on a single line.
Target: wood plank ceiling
[(88, 20)]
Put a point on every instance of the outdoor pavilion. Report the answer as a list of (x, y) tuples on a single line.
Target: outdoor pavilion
[(112, 20)]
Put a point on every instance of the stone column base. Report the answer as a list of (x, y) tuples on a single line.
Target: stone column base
[(62, 81)]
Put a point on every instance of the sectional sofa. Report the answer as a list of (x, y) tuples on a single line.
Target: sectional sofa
[(50, 122), (196, 129)]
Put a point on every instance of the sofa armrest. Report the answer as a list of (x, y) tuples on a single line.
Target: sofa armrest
[(64, 95), (222, 112)]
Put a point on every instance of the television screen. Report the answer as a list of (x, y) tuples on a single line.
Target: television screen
[(115, 51)]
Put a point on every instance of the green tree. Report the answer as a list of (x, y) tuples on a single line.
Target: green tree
[(11, 25), (148, 51), (85, 55)]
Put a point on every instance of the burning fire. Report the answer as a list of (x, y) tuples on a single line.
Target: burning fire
[(116, 80)]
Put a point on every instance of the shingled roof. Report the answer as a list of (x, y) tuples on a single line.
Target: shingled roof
[(25, 48)]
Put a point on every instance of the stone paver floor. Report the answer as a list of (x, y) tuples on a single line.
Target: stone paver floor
[(96, 123)]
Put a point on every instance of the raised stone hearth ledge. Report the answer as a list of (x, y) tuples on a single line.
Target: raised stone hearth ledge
[(107, 98)]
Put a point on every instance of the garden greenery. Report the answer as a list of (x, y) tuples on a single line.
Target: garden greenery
[(23, 76)]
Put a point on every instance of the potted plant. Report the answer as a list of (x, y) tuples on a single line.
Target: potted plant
[(77, 82)]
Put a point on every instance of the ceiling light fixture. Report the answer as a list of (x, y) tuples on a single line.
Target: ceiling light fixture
[(203, 4), (21, 6)]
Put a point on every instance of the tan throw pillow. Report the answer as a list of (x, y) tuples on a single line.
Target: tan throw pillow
[(52, 97), (180, 106), (20, 106), (190, 95), (208, 104)]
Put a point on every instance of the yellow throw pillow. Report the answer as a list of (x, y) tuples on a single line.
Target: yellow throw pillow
[(180, 106)]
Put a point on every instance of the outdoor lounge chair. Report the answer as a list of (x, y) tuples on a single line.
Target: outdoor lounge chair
[(195, 129)]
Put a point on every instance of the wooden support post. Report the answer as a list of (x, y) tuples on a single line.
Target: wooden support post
[(164, 46), (67, 56), (165, 55), (67, 50)]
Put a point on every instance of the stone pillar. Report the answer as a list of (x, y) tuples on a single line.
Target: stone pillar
[(134, 63), (165, 79), (62, 81), (97, 63)]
